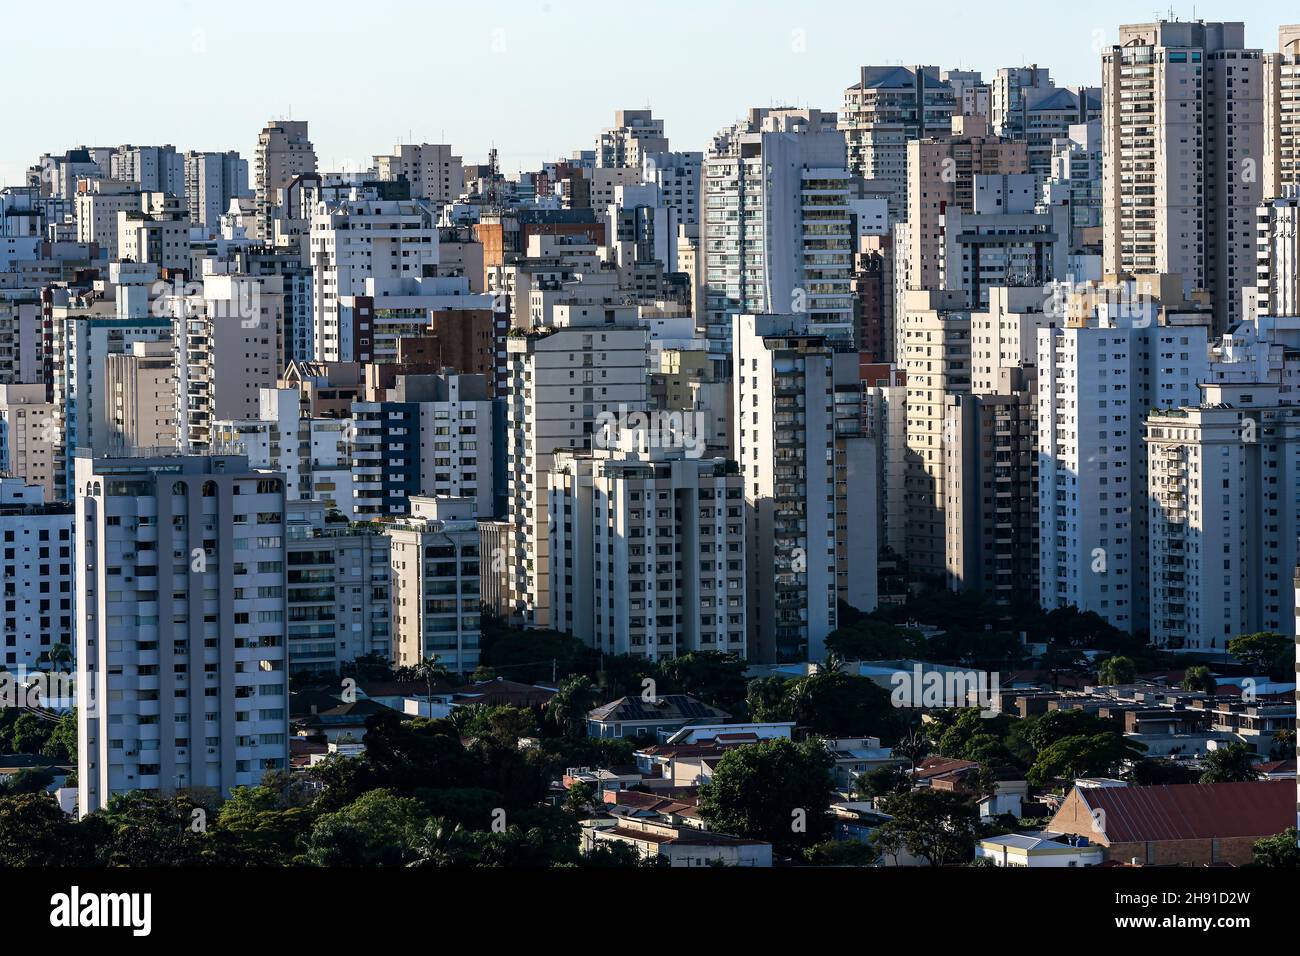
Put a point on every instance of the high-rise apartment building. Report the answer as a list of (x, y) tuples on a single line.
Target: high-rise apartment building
[(784, 436), (1182, 140), (941, 177), (354, 241), (777, 236), (337, 595), (561, 379), (1129, 349), (1282, 113), (1223, 518), (29, 435), (140, 388), (284, 152), (435, 584), (1277, 273), (181, 656), (634, 135), (434, 173), (36, 575), (647, 550), (936, 357), (212, 181), (886, 109), (228, 347)]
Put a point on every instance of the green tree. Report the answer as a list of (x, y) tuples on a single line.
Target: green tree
[(255, 826), (35, 832), (145, 829), (776, 791), (1097, 755), (913, 746), (61, 745), (768, 699), (841, 853), (871, 639), (1231, 764), (1198, 677), (28, 780), (882, 781), (1278, 851), (568, 709), (580, 798), (842, 705), (1265, 651), (710, 676), (1117, 670), (379, 828), (937, 826)]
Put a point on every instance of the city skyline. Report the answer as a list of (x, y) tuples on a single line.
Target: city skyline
[(702, 78)]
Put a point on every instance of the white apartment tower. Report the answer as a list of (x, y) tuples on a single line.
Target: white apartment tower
[(886, 109), (1223, 517), (784, 438), (212, 181), (1277, 282), (36, 576), (561, 379), (181, 657), (635, 134), (777, 231), (647, 551), (433, 171), (1098, 376), (353, 241), (1282, 113)]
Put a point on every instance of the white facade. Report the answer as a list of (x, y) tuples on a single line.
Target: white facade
[(785, 445), (182, 664), (37, 577), (352, 242), (1095, 385), (560, 380), (647, 552), (777, 227), (1223, 517)]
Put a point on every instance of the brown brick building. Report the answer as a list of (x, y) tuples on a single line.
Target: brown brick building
[(1190, 824)]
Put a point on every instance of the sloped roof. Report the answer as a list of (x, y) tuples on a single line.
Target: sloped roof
[(1193, 811), (1059, 99), (666, 707)]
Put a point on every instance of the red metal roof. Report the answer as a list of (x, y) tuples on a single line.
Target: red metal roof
[(1193, 811)]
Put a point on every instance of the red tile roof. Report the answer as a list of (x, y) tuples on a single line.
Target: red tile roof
[(1193, 811)]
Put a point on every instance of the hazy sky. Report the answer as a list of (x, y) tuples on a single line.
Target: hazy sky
[(537, 78)]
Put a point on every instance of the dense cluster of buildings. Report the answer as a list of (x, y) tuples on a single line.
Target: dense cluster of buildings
[(260, 418)]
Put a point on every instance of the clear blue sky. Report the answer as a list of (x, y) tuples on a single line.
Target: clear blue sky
[(539, 78)]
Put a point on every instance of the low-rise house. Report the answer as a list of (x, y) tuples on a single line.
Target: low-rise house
[(1191, 824), (658, 717), (959, 776), (1042, 850), (855, 756), (601, 780), (677, 845), (341, 720), (679, 810)]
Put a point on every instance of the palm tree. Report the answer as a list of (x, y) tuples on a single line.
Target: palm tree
[(915, 745), (58, 655), (430, 670), (834, 664)]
